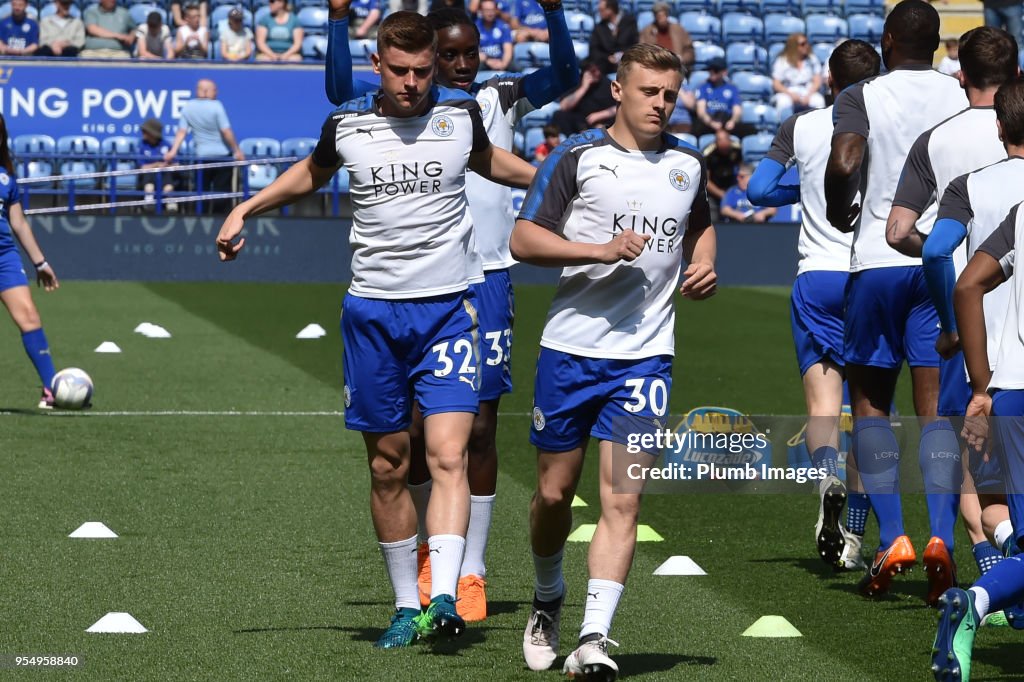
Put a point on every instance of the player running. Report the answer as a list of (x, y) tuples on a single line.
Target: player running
[(504, 100), (816, 306), (408, 325), (888, 315), (605, 365), (14, 291)]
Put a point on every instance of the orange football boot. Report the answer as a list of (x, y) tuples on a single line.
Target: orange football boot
[(896, 558), (940, 569)]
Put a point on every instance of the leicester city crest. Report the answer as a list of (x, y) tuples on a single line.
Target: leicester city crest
[(442, 126), (679, 179)]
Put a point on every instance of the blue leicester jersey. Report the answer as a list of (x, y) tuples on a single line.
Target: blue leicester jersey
[(9, 194)]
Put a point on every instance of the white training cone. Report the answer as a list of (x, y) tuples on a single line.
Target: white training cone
[(108, 347), (117, 622), (679, 565), (311, 331), (92, 530), (152, 331)]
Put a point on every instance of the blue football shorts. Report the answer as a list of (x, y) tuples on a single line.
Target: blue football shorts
[(424, 349), (576, 397), (495, 304), (954, 390), (816, 316), (889, 318), (1008, 446), (12, 274)]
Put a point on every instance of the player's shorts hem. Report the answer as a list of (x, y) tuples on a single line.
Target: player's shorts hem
[(494, 395), (830, 354), (856, 362), (353, 425), (7, 286), (553, 446), (922, 363), (444, 409)]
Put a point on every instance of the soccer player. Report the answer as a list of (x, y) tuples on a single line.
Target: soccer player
[(1003, 585), (962, 143), (408, 326), (816, 309), (620, 210), (504, 100), (14, 291), (888, 315)]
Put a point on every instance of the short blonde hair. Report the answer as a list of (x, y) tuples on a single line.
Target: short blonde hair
[(648, 56)]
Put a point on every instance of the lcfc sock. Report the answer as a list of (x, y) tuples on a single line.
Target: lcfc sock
[(446, 552), (420, 498), (1002, 535), (857, 507), (878, 461), (939, 456), (480, 509), (400, 561), (549, 585), (986, 556), (826, 458), (602, 600), (38, 351)]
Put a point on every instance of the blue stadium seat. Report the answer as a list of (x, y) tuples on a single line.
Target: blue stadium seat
[(540, 117), (582, 49), (781, 7), (742, 27), (120, 145), (774, 50), (580, 25), (761, 116), (644, 6), (360, 50), (34, 144), (753, 86), (709, 138), (51, 8), (750, 7), (706, 6), (78, 145), (701, 27), (747, 57), (756, 146), (822, 7), (37, 169), (687, 138), (873, 7), (255, 147), (31, 11), (313, 20), (705, 51), (696, 79), (531, 55), (867, 27), (823, 51), (259, 12), (1020, 57), (298, 146), (534, 136), (76, 167), (644, 19), (299, 4), (261, 175), (778, 27), (314, 48), (826, 28), (139, 13)]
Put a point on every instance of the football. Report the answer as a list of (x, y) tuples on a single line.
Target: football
[(72, 389)]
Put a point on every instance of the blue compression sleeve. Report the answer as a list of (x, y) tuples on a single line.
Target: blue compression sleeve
[(338, 81), (764, 188), (545, 85), (938, 267)]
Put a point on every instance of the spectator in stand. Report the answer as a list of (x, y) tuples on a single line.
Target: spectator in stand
[(178, 8), (796, 78), (363, 17), (495, 37), (722, 158), (719, 106), (950, 64), (236, 39), (279, 36), (669, 35), (551, 140), (152, 149), (109, 31), (736, 206), (616, 31), (529, 23), (19, 34), (154, 39), (1004, 14), (60, 34), (590, 105), (193, 40)]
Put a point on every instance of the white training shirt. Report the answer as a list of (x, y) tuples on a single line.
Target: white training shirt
[(1006, 245)]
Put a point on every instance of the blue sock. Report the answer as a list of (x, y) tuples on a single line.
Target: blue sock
[(878, 461), (857, 507), (39, 353), (826, 457), (986, 556), (939, 456), (1004, 583)]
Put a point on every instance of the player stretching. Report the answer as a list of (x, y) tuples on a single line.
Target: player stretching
[(1003, 585), (605, 364), (888, 315), (816, 309), (504, 100), (407, 324), (962, 143), (14, 291)]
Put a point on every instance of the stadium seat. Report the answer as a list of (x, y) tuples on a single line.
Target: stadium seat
[(37, 169), (531, 55), (540, 117), (75, 168), (580, 25), (644, 6), (51, 8), (314, 48), (823, 51), (687, 138), (533, 137), (644, 19), (873, 7), (756, 146), (313, 20), (705, 51), (742, 27), (120, 145), (822, 7), (709, 139), (255, 147), (778, 27), (696, 79), (360, 50), (826, 28), (701, 27), (753, 86), (261, 175), (482, 76), (139, 13), (781, 7), (761, 116), (260, 12), (582, 49), (705, 6), (774, 50), (31, 11), (747, 57), (866, 27), (78, 145), (1020, 57), (219, 18), (749, 7), (298, 146), (299, 4), (33, 145)]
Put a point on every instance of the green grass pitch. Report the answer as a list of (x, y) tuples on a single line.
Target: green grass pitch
[(245, 541)]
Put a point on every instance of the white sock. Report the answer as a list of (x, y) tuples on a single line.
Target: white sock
[(446, 552), (1003, 532), (980, 600), (480, 508), (400, 560), (420, 497), (548, 584), (602, 600)]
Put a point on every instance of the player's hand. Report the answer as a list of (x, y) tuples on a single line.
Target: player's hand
[(975, 430), (227, 247), (626, 246), (700, 281), (851, 219), (47, 278), (947, 345), (338, 8)]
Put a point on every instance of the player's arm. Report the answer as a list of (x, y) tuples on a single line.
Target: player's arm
[(563, 74), (700, 248), (950, 230), (502, 167), (339, 82), (914, 193), (763, 187), (842, 174), (45, 276)]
